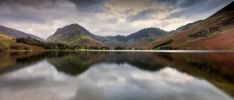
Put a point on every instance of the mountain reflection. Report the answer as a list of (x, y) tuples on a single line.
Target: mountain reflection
[(115, 76), (76, 63)]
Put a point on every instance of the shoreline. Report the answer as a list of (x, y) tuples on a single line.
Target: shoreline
[(153, 51)]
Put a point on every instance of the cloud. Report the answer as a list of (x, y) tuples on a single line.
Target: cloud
[(191, 8), (104, 17), (32, 3), (142, 14), (88, 5), (181, 3)]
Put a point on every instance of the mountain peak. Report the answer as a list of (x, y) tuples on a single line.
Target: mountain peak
[(72, 29), (74, 25), (74, 34)]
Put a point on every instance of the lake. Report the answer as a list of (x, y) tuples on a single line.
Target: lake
[(116, 76)]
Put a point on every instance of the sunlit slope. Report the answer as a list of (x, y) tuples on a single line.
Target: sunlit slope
[(5, 41), (8, 42)]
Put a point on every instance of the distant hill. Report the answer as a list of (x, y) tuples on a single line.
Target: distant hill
[(74, 34), (16, 33), (133, 40), (213, 33), (146, 33), (141, 34)]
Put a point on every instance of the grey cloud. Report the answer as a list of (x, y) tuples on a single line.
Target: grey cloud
[(43, 17), (145, 14), (16, 14), (20, 18), (82, 5), (187, 3), (191, 8), (181, 3), (31, 3), (89, 5)]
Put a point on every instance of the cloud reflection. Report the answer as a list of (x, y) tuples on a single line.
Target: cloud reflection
[(37, 82), (106, 81), (126, 82)]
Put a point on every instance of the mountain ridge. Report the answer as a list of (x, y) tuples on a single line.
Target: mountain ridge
[(75, 31)]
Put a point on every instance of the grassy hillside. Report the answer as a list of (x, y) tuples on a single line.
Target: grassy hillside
[(81, 40), (9, 43), (75, 35), (5, 41)]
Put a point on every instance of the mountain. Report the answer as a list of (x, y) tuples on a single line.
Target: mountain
[(15, 33), (74, 35), (135, 39), (146, 33), (213, 33)]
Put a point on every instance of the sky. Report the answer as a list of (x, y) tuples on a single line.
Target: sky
[(104, 17)]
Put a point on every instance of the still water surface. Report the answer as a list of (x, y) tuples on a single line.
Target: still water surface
[(116, 76)]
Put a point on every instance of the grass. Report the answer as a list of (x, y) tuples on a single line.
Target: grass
[(78, 39), (5, 41)]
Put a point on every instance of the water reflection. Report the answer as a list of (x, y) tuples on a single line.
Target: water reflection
[(126, 82), (116, 76), (37, 82)]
